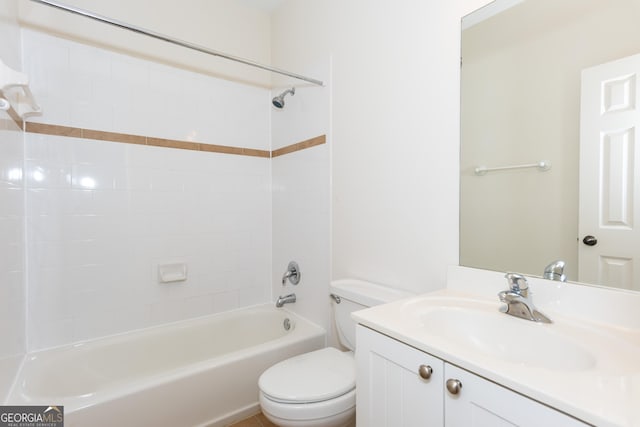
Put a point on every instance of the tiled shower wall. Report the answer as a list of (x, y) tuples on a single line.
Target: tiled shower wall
[(12, 269), (12, 289), (101, 216)]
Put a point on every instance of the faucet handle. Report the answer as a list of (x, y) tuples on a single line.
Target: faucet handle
[(517, 283), (292, 274)]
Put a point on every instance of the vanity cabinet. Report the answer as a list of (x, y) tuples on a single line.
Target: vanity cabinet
[(396, 385), (391, 392)]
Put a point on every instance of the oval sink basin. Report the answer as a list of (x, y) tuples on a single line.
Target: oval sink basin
[(486, 330)]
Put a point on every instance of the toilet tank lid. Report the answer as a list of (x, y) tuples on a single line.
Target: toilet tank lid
[(366, 293)]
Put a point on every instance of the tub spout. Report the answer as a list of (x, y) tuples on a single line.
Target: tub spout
[(287, 299)]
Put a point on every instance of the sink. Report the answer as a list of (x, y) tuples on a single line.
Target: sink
[(478, 326)]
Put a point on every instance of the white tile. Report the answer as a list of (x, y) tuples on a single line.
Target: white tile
[(11, 230), (11, 255), (224, 301), (12, 202), (11, 286), (115, 320), (48, 175), (104, 215), (108, 202), (252, 295), (47, 148), (45, 333), (56, 202), (90, 152)]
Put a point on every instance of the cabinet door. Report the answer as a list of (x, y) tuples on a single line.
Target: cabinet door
[(481, 403), (390, 390)]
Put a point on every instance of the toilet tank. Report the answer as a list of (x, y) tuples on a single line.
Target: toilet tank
[(357, 295)]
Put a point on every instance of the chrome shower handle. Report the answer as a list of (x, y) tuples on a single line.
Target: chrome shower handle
[(292, 273)]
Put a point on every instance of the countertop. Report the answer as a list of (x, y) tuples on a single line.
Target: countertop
[(604, 394)]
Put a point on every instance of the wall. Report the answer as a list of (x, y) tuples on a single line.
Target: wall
[(523, 220), (394, 132), (101, 216), (392, 120), (12, 268), (228, 26), (391, 114), (301, 180)]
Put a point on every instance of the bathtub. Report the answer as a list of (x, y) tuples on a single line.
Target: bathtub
[(200, 372)]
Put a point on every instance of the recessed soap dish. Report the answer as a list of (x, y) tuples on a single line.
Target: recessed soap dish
[(169, 273)]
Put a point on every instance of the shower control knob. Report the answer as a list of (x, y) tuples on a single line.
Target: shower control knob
[(425, 371), (590, 240), (454, 386)]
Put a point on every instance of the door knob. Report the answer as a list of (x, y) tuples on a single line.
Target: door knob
[(454, 386), (425, 371), (590, 240)]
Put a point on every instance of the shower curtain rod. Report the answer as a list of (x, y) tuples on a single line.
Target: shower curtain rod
[(171, 40)]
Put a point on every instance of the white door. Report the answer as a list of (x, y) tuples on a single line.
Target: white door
[(609, 235)]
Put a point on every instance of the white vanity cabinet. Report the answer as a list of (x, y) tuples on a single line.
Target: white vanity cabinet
[(482, 403), (391, 392), (396, 385)]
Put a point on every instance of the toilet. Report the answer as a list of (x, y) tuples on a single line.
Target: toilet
[(318, 389)]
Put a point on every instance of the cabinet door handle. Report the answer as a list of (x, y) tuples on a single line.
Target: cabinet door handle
[(454, 386), (425, 371)]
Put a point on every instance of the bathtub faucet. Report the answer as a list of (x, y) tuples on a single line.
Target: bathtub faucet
[(287, 299), (292, 274)]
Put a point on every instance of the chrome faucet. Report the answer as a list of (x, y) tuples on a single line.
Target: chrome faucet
[(287, 299), (518, 301), (292, 273), (555, 271)]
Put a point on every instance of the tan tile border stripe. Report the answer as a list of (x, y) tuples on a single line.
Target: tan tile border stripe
[(15, 117), (73, 132), (318, 140), (8, 124)]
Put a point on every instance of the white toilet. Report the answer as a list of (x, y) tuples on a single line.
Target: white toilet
[(318, 389)]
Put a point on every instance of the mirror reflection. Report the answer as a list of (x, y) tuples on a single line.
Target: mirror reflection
[(552, 81)]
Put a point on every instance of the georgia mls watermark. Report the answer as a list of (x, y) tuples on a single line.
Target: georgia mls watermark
[(31, 416)]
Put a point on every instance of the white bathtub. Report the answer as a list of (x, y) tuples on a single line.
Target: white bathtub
[(201, 372)]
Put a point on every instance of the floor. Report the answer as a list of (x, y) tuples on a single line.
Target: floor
[(256, 421)]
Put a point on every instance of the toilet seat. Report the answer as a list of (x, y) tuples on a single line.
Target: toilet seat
[(317, 376), (340, 408)]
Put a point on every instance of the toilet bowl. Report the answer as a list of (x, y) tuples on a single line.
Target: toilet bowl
[(318, 389), (313, 389)]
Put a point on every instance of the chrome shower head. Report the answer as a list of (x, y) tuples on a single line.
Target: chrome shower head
[(278, 101)]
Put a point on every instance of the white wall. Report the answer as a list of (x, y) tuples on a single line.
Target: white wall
[(229, 26), (301, 201), (12, 268), (392, 140), (390, 112), (394, 132), (395, 173), (102, 216)]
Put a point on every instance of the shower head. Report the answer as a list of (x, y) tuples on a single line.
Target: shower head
[(278, 101)]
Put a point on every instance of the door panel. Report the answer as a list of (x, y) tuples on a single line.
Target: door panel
[(609, 174)]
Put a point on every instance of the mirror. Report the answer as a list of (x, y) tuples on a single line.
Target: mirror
[(522, 103)]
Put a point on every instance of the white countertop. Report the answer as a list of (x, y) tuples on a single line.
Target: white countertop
[(605, 392)]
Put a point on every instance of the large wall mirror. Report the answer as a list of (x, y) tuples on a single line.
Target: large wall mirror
[(550, 167)]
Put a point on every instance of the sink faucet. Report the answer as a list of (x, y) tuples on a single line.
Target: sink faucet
[(518, 301), (555, 271), (287, 299)]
